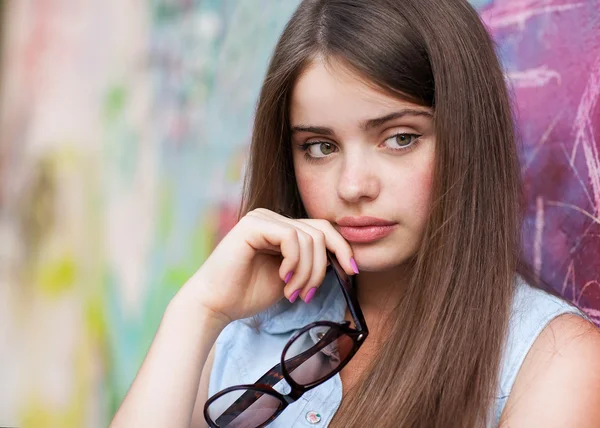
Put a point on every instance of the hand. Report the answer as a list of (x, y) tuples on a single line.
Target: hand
[(247, 271)]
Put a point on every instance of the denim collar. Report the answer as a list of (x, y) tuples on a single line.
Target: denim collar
[(328, 304)]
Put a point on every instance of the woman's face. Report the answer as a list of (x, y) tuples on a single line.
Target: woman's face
[(360, 152)]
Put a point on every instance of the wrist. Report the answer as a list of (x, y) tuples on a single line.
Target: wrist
[(195, 312)]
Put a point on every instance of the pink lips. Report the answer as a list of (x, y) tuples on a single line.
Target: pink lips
[(365, 229)]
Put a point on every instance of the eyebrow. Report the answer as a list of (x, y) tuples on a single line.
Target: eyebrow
[(367, 124)]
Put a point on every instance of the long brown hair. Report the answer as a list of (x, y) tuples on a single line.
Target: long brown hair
[(440, 365)]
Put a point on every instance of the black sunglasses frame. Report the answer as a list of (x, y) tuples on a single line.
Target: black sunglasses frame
[(279, 371)]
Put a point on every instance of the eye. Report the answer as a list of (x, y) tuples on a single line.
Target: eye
[(402, 141), (319, 149)]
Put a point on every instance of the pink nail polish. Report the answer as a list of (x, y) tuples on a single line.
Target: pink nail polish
[(353, 264), (310, 294), (294, 296), (288, 276)]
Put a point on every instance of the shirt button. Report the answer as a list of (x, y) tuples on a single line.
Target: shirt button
[(313, 417)]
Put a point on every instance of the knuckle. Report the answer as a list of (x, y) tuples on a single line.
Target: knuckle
[(318, 278), (324, 224), (304, 237), (317, 223), (310, 239), (295, 261), (257, 212), (291, 233), (292, 261), (247, 219), (319, 237)]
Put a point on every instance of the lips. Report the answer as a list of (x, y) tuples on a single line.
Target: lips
[(365, 229), (364, 221)]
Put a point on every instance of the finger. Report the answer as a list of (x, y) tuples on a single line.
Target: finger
[(335, 242), (319, 260), (304, 269), (265, 235), (319, 263), (304, 277)]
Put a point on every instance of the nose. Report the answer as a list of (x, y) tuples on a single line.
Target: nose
[(358, 178)]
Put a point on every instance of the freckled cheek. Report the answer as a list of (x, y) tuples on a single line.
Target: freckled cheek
[(412, 193), (420, 190), (314, 192)]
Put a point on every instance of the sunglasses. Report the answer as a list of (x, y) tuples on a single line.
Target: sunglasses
[(313, 355)]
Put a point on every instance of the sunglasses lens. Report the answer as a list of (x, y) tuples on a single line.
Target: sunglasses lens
[(243, 408), (317, 353)]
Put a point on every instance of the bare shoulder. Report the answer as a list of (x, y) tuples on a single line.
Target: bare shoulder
[(558, 384)]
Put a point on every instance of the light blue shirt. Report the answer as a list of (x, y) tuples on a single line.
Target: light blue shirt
[(247, 349)]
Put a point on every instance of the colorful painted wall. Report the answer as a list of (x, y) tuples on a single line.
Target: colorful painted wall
[(123, 135)]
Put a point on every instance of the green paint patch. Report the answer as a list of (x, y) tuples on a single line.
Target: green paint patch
[(114, 102), (56, 276), (176, 276), (166, 12)]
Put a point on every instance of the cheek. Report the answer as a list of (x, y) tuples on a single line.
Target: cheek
[(313, 191), (421, 195), (422, 190), (415, 199)]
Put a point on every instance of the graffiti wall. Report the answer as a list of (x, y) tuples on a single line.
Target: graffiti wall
[(551, 53), (123, 135)]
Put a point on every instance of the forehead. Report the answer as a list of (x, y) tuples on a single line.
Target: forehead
[(332, 91)]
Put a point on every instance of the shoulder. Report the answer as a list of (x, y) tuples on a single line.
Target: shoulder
[(558, 383)]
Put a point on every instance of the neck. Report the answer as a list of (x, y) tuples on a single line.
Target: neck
[(379, 294), (380, 290)]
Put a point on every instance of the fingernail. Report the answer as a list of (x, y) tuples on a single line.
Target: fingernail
[(294, 296), (353, 264), (288, 276), (310, 294)]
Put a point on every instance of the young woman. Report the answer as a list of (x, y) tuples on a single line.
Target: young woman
[(383, 135)]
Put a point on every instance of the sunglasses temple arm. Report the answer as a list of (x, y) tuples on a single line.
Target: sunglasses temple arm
[(354, 307), (349, 292)]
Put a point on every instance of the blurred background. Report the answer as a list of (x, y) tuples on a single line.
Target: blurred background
[(124, 128)]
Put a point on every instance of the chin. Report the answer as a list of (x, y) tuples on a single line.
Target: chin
[(377, 256)]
